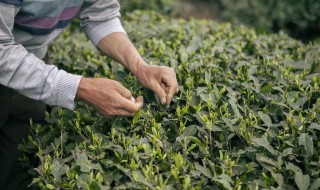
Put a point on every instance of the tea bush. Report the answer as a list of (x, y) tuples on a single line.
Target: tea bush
[(246, 117), (163, 6), (300, 19)]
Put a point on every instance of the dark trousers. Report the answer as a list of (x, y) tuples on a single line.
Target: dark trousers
[(15, 113)]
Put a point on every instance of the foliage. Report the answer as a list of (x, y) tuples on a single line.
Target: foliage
[(300, 19), (163, 6), (246, 117)]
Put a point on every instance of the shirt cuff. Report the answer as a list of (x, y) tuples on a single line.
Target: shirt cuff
[(100, 30), (66, 89)]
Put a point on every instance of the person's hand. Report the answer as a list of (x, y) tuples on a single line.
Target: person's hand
[(160, 79), (108, 97)]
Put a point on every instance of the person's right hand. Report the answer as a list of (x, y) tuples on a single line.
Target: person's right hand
[(108, 97)]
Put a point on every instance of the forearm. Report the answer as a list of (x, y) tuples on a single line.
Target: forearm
[(118, 46), (100, 22)]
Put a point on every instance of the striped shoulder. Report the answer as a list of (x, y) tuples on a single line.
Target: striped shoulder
[(43, 17), (12, 2)]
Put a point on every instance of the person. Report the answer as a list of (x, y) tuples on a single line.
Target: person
[(28, 84)]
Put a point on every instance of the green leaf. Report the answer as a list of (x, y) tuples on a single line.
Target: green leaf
[(267, 88), (299, 103), (205, 171), (267, 163), (190, 131), (315, 185), (293, 168), (136, 116), (49, 186), (207, 76), (265, 118), (199, 118), (137, 176), (225, 180), (302, 181), (85, 164), (201, 90), (306, 141), (264, 143), (197, 141), (234, 108), (287, 152), (184, 56), (278, 177), (315, 126), (229, 124), (58, 169)]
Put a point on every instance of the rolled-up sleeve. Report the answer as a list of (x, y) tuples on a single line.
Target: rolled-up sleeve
[(99, 18)]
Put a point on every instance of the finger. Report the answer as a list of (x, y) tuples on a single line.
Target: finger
[(130, 106), (160, 92), (164, 87), (124, 92), (139, 100), (171, 93), (170, 80), (125, 113), (177, 90), (172, 85)]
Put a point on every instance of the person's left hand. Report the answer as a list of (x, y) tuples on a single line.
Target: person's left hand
[(160, 79)]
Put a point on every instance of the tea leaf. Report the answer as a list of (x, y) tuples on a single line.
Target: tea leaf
[(263, 142), (302, 181), (278, 178), (267, 88), (265, 118), (205, 171), (225, 180), (315, 185), (306, 141)]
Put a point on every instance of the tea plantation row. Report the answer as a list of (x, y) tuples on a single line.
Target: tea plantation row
[(300, 19), (246, 117)]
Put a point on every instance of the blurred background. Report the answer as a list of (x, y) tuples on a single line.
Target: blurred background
[(298, 18)]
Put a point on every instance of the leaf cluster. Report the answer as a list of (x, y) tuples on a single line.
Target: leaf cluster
[(246, 117)]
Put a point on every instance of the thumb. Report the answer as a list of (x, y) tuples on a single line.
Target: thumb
[(159, 91)]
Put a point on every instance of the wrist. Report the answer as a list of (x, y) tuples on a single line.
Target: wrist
[(82, 91), (138, 67)]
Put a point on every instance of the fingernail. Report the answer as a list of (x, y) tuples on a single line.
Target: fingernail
[(133, 100), (163, 100)]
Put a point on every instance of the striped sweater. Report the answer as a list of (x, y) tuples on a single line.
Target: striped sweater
[(26, 29)]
